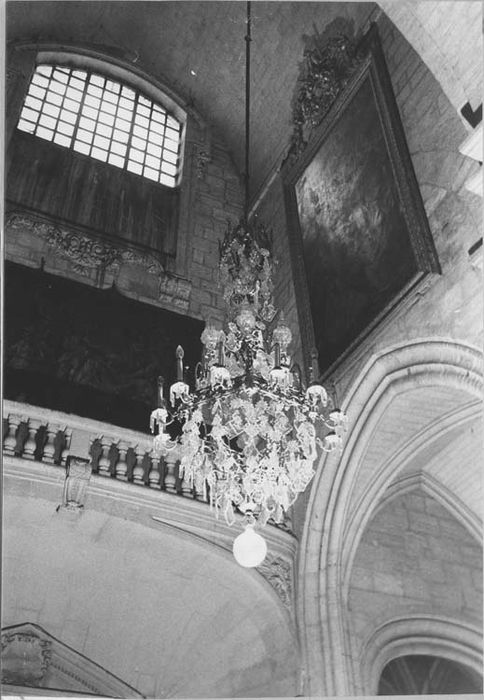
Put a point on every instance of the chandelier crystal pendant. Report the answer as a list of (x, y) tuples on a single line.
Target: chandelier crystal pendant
[(250, 432)]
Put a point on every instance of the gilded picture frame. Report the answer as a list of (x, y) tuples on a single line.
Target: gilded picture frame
[(359, 237)]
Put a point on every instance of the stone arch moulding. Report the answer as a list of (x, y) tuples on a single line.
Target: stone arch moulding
[(400, 367), (419, 634), (371, 499)]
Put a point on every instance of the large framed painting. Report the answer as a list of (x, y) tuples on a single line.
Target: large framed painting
[(359, 238)]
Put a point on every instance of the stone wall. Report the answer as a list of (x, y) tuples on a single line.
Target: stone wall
[(414, 558)]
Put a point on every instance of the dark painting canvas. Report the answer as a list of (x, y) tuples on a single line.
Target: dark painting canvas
[(356, 246)]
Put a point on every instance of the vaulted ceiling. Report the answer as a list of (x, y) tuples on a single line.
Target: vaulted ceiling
[(198, 49)]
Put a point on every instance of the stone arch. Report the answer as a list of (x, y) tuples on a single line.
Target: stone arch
[(423, 363), (420, 634)]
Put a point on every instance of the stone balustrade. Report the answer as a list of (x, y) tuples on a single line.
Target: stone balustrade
[(44, 435), (40, 434)]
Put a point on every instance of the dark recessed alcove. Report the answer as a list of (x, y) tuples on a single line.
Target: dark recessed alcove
[(91, 352)]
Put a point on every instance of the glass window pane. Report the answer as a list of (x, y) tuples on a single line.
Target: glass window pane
[(154, 151), (26, 126), (101, 141), (70, 104), (82, 147), (167, 180), (91, 102), (44, 133), (142, 111), (62, 140), (153, 162), (68, 116), (89, 112), (168, 168), (136, 155), (116, 160), (58, 88), (143, 101), (97, 80), (172, 134), (106, 118), (112, 86), (40, 80), (108, 107), (104, 130), (171, 146), (85, 136), (158, 117), (118, 148), (141, 121), (135, 168), (157, 128), (99, 154), (172, 123), (110, 97), (120, 136), (37, 91), (88, 124), (44, 70), (128, 92), (124, 114), (151, 174), (138, 143), (51, 110), (74, 95), (123, 125), (53, 98), (29, 114), (140, 132), (67, 129), (126, 104), (60, 76), (170, 157), (93, 91), (47, 121)]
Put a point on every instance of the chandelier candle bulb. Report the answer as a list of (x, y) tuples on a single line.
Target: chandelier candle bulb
[(179, 363)]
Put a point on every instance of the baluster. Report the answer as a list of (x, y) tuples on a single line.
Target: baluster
[(186, 488), (200, 491), (11, 438), (104, 464), (122, 464), (170, 476), (30, 445), (139, 471), (67, 445), (49, 448), (154, 475)]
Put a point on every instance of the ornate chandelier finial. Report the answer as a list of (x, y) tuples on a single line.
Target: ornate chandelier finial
[(250, 432)]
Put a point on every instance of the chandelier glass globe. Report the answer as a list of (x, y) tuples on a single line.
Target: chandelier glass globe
[(249, 548)]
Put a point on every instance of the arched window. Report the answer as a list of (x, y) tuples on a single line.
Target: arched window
[(105, 119)]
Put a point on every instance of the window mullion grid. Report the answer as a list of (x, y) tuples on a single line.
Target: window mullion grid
[(62, 106), (98, 115), (81, 106), (130, 135)]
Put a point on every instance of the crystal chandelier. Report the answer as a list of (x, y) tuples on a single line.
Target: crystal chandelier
[(250, 432)]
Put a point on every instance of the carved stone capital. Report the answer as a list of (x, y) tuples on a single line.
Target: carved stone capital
[(25, 658), (278, 572)]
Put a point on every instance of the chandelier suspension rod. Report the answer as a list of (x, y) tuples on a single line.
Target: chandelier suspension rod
[(247, 114)]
